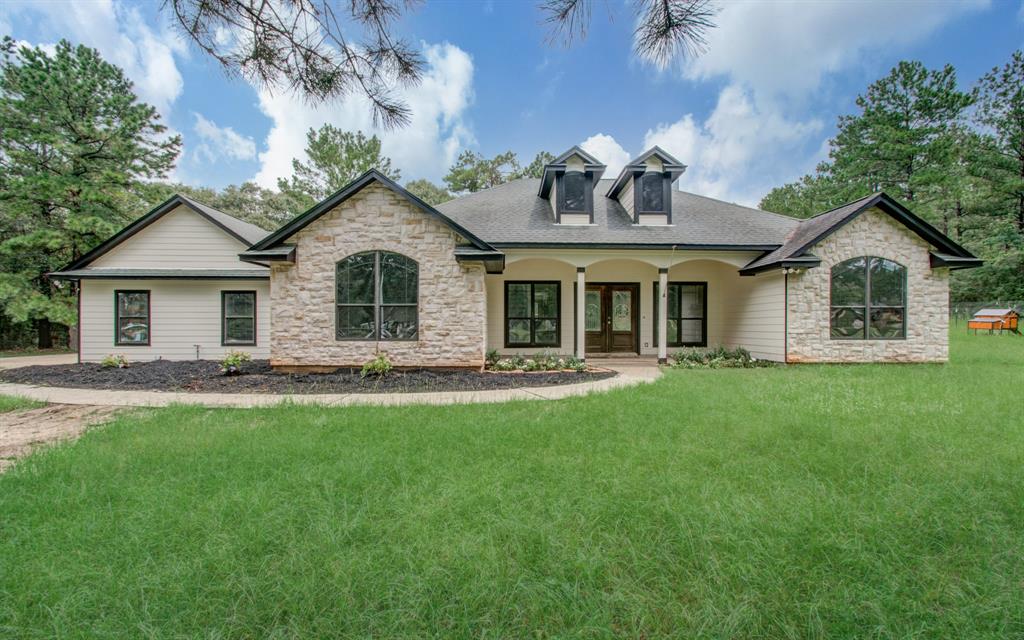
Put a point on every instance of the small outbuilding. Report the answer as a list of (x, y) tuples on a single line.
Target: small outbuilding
[(995, 320)]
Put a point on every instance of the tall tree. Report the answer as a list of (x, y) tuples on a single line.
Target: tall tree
[(1000, 116), (328, 49), (75, 145), (901, 140), (428, 192), (335, 158), (473, 172), (536, 167)]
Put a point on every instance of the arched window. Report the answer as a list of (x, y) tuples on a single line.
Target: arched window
[(869, 300), (376, 297)]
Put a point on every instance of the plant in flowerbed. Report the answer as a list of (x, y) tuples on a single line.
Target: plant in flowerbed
[(717, 358), (546, 361), (257, 376), (231, 363)]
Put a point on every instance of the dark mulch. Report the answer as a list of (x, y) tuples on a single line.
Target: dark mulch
[(204, 376)]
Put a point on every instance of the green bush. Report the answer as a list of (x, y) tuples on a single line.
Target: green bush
[(491, 357), (111, 361), (231, 363), (379, 367), (717, 358), (543, 361)]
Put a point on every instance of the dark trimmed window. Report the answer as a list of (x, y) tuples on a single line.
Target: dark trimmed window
[(652, 193), (572, 192), (238, 317), (376, 297), (868, 300), (687, 324), (131, 318), (533, 314)]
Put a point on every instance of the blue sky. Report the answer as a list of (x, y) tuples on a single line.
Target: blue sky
[(753, 112)]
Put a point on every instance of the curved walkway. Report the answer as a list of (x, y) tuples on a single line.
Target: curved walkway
[(631, 373)]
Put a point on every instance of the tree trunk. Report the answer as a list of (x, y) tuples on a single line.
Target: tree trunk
[(45, 339)]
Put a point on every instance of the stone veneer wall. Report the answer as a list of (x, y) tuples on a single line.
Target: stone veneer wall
[(873, 233), (452, 304)]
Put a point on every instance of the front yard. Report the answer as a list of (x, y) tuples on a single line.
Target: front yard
[(814, 501)]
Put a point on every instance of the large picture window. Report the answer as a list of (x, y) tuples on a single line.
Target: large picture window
[(131, 318), (868, 300), (532, 314), (687, 314), (377, 294), (238, 317)]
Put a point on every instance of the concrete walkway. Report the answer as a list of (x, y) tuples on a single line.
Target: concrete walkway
[(630, 372), (27, 361)]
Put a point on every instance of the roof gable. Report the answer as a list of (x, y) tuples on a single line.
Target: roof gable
[(338, 197), (243, 232), (813, 230), (590, 165), (669, 165)]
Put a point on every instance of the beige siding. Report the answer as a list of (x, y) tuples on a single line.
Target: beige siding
[(575, 218), (653, 219), (529, 270), (183, 314), (626, 197), (754, 316), (181, 239)]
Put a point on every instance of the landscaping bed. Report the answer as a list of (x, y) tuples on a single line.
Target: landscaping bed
[(204, 376)]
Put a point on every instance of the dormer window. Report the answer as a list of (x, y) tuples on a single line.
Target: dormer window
[(572, 190), (652, 193), (568, 185)]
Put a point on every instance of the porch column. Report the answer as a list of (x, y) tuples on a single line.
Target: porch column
[(662, 315), (581, 309)]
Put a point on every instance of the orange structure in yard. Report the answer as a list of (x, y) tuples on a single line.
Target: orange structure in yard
[(995, 320)]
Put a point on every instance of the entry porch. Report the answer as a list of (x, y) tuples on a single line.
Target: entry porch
[(630, 300)]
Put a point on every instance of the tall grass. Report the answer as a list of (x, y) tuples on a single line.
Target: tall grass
[(813, 501)]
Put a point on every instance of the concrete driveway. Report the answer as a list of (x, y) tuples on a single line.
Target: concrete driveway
[(27, 361)]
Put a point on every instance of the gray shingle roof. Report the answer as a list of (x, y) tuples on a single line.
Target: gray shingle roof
[(512, 214), (250, 232)]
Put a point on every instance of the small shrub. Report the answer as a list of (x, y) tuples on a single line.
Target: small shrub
[(111, 361), (575, 364), (504, 364), (717, 358), (231, 363), (491, 357), (380, 366)]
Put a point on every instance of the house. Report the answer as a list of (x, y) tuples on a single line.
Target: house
[(575, 262)]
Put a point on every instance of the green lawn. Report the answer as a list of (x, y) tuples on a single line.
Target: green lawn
[(814, 501), (11, 403)]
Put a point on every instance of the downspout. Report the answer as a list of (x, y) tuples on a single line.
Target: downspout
[(785, 315)]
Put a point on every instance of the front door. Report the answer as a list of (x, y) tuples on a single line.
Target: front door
[(611, 318)]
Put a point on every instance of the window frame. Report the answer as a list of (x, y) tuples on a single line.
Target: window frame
[(588, 195), (117, 318), (867, 306), (704, 318), (666, 195), (377, 303), (533, 344), (224, 318)]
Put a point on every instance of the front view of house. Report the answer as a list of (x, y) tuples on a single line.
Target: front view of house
[(573, 262)]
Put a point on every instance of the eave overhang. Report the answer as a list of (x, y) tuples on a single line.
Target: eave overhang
[(282, 253), (806, 261), (952, 262), (159, 274)]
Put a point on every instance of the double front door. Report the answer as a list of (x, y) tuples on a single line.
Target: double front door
[(611, 318)]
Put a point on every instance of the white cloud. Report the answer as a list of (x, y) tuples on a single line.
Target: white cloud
[(789, 45), (607, 150), (731, 155), (774, 56), (221, 142), (423, 149), (123, 38)]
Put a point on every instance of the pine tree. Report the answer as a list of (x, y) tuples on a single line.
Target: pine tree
[(75, 145), (335, 158)]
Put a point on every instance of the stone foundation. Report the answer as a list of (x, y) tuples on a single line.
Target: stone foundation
[(452, 303), (873, 233)]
